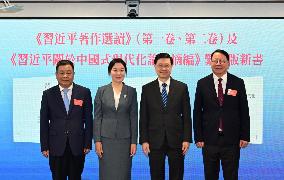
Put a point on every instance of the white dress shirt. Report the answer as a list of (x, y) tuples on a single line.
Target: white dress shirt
[(224, 82), (168, 85), (69, 93)]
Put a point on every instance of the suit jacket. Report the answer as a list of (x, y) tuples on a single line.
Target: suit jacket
[(172, 122), (56, 125), (116, 123), (234, 112)]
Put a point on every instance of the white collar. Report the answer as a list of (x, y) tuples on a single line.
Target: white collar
[(224, 78), (70, 87), (167, 82)]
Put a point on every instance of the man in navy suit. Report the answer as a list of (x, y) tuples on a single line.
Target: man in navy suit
[(66, 124), (221, 119), (165, 121)]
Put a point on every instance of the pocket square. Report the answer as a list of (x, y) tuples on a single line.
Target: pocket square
[(232, 92), (78, 102)]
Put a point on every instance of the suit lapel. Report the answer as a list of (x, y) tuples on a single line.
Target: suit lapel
[(228, 86), (171, 92), (74, 94), (157, 93), (212, 89), (59, 99), (109, 92), (123, 96)]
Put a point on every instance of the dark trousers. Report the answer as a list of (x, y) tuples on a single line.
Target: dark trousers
[(229, 156), (157, 162), (67, 165)]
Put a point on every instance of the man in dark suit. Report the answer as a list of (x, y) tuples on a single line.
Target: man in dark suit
[(221, 119), (165, 121), (66, 124)]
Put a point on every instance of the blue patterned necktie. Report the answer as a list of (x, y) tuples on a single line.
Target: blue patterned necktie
[(164, 94), (65, 99)]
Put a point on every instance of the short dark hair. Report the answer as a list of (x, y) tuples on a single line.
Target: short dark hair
[(63, 63), (163, 55), (114, 61), (222, 52)]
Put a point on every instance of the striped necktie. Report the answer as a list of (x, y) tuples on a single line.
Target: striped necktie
[(164, 94)]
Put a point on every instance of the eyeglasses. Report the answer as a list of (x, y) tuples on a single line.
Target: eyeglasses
[(220, 61)]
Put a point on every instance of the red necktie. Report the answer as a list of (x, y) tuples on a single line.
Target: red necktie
[(221, 100)]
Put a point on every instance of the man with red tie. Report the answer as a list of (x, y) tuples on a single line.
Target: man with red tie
[(221, 119)]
